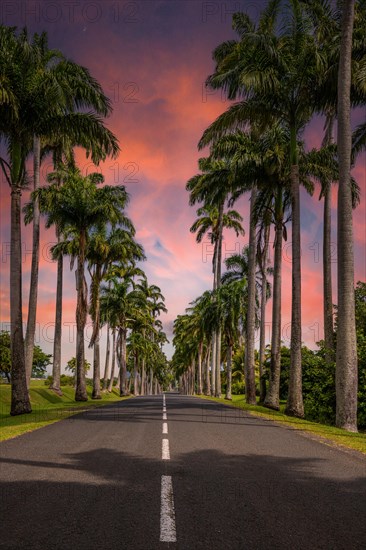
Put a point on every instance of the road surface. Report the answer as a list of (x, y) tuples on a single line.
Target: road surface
[(178, 473)]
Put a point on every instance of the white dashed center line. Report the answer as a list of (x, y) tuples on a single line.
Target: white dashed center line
[(165, 453), (165, 428), (165, 416), (167, 514)]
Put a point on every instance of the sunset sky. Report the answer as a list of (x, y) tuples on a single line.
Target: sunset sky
[(152, 59)]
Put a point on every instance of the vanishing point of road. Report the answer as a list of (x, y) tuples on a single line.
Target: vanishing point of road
[(176, 472)]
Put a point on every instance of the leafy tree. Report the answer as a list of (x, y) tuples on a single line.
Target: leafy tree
[(360, 312), (72, 366), (76, 207), (41, 361), (103, 249), (5, 355)]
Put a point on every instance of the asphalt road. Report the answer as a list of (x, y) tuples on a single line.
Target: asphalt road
[(217, 479)]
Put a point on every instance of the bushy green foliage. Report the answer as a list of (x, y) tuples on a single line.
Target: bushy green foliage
[(319, 377), (5, 359), (238, 388), (40, 359), (71, 365), (64, 380), (318, 386), (360, 301)]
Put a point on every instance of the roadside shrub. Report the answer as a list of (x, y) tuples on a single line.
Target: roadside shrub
[(238, 388), (318, 386), (48, 381)]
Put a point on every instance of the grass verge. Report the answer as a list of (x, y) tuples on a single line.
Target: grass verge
[(328, 434), (47, 408)]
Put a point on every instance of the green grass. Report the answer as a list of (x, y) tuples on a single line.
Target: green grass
[(328, 434), (47, 408)]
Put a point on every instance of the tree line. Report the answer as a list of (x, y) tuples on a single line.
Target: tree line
[(301, 59), (49, 105)]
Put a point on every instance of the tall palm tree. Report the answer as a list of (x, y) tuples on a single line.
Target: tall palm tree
[(242, 149), (155, 304), (197, 331), (212, 221), (88, 132), (326, 19), (15, 56), (77, 90), (80, 206), (36, 85), (120, 302), (213, 186), (230, 304), (346, 364), (278, 74), (185, 353), (103, 250)]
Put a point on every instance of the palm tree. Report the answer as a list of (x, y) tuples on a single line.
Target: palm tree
[(14, 59), (185, 354), (278, 75), (36, 85), (242, 149), (155, 304), (120, 303), (230, 304), (213, 220), (326, 21), (103, 250), (213, 186), (201, 333), (346, 365), (80, 206)]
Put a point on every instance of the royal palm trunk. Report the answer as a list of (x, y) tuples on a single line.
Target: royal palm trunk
[(20, 403), (199, 373), (33, 289), (123, 372), (218, 284), (295, 405), (113, 366), (346, 364), (118, 361), (135, 374), (250, 329), (151, 381), (229, 371), (272, 399), (327, 259), (56, 367), (262, 343), (327, 280), (81, 312), (213, 366), (96, 369), (143, 377), (207, 377), (107, 357), (96, 338)]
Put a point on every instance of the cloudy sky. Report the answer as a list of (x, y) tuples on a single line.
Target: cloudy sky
[(152, 58)]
